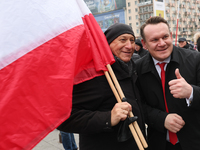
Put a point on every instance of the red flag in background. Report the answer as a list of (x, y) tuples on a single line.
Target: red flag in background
[(45, 48)]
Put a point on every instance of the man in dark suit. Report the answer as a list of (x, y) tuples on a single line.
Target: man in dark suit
[(171, 92)]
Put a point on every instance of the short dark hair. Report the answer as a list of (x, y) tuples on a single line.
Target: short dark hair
[(152, 20)]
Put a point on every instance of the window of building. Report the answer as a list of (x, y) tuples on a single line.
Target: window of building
[(136, 16), (167, 14), (137, 31), (129, 4), (147, 16), (137, 24), (129, 17), (130, 24), (141, 17), (150, 8), (135, 2), (136, 10), (141, 10), (129, 11)]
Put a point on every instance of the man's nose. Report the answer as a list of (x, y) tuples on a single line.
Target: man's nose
[(129, 44), (161, 42)]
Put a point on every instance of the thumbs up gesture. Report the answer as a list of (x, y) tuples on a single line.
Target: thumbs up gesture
[(179, 88)]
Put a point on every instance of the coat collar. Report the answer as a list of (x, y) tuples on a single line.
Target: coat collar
[(148, 65), (121, 72)]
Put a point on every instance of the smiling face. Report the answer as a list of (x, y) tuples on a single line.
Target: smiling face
[(123, 47), (158, 41)]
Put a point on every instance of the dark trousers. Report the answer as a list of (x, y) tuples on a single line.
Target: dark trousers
[(170, 146), (68, 141)]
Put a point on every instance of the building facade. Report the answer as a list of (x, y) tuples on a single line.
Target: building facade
[(136, 12)]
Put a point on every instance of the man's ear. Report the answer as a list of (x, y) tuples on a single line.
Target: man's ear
[(143, 44), (171, 35)]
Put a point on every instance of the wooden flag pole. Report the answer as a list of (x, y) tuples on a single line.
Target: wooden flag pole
[(137, 140), (135, 124)]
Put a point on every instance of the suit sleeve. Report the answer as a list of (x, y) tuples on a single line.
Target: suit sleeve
[(196, 87)]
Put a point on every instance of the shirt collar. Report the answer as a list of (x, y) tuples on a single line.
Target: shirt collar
[(165, 61)]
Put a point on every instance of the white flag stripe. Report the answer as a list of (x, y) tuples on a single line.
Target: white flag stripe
[(42, 21)]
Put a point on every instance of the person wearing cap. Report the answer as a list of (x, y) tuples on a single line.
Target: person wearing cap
[(139, 48), (96, 116), (182, 42)]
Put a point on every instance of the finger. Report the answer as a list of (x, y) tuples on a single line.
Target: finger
[(126, 106), (123, 115), (178, 116), (172, 82), (125, 112), (177, 73), (177, 127)]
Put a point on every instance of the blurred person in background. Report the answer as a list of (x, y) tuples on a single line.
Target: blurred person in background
[(197, 41)]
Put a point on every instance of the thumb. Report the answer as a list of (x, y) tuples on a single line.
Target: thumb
[(177, 73)]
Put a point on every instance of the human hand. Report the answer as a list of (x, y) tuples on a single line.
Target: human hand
[(179, 88), (120, 112), (174, 123)]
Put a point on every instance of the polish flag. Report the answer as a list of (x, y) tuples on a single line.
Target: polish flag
[(46, 46)]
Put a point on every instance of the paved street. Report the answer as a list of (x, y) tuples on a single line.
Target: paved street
[(51, 142)]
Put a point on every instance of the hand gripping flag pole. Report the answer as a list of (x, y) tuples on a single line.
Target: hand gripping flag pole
[(99, 45), (134, 127)]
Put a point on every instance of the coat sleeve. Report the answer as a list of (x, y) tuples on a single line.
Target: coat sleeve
[(89, 113), (196, 87)]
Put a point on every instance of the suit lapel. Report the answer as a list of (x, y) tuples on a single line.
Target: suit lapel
[(149, 67)]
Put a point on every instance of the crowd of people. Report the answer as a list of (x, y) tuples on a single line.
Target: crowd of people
[(161, 83)]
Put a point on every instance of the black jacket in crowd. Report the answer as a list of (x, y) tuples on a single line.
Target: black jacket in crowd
[(142, 52), (93, 101), (188, 46)]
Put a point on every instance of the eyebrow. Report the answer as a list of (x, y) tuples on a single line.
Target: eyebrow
[(126, 36)]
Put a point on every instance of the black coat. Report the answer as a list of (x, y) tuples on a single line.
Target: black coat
[(142, 52), (189, 47), (93, 101), (150, 86)]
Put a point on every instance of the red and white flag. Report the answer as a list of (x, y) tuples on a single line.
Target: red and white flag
[(45, 48)]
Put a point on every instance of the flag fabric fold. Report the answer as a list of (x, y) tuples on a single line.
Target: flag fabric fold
[(46, 48)]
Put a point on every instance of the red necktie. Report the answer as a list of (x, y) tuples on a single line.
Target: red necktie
[(172, 136)]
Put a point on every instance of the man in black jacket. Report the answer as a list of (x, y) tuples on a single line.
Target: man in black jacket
[(182, 42), (139, 48), (96, 115), (169, 80)]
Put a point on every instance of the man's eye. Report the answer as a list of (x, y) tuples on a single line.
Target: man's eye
[(123, 40), (165, 37)]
